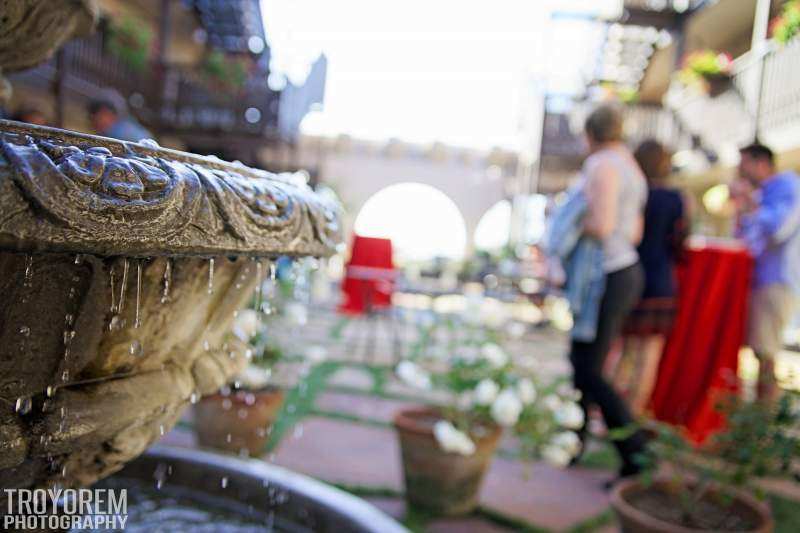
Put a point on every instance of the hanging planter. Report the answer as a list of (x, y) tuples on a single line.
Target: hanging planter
[(225, 73), (786, 26), (130, 41), (708, 70)]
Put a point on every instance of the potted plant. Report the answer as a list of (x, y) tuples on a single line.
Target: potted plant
[(446, 450), (130, 40), (708, 70), (240, 416), (227, 73), (712, 488), (787, 25)]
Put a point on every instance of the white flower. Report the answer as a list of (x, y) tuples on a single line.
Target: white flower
[(486, 392), (516, 330), (297, 313), (494, 354), (569, 415), (316, 353), (552, 402), (568, 441), (246, 324), (451, 439), (556, 455), (507, 408), (413, 375), (253, 377), (526, 391), (565, 390)]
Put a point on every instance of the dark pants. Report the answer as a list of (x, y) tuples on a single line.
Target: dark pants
[(623, 290)]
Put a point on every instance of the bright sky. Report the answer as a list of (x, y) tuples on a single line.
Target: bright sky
[(456, 71)]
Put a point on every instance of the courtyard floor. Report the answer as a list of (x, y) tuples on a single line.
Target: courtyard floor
[(336, 426)]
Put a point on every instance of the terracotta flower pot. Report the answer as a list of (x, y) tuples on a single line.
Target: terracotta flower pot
[(633, 519), (442, 482), (238, 422)]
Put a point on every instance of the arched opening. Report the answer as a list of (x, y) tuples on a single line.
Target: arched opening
[(494, 227), (423, 222)]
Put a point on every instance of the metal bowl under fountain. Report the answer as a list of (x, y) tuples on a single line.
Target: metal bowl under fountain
[(177, 489)]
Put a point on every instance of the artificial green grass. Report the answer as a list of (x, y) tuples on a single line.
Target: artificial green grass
[(786, 514)]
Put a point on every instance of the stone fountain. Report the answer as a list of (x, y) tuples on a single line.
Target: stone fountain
[(121, 268)]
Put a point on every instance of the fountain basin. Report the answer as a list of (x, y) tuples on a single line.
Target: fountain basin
[(122, 266), (261, 493)]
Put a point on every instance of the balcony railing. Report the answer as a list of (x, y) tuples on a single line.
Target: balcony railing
[(173, 98)]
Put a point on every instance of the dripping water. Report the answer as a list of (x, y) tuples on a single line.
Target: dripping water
[(167, 280), (113, 298), (124, 284), (136, 321), (210, 275), (28, 269), (259, 284)]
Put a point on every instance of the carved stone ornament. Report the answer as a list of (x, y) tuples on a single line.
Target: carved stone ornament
[(68, 192)]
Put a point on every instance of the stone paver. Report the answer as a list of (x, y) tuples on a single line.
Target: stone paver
[(352, 377), (343, 452), (547, 497), (361, 406)]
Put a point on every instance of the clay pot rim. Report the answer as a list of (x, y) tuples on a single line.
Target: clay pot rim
[(236, 394), (405, 420), (627, 486)]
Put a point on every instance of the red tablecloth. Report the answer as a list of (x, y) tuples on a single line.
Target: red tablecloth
[(700, 359), (369, 276)]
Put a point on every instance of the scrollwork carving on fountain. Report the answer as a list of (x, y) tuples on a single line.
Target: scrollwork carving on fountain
[(121, 268)]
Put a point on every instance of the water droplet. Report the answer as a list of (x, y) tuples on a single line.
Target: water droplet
[(69, 320), (228, 437), (65, 376), (273, 272), (193, 398), (78, 259), (69, 334), (25, 331), (136, 349), (23, 405), (210, 275), (224, 482), (51, 391), (259, 283), (116, 323)]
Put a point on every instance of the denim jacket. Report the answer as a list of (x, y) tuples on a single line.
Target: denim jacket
[(582, 258)]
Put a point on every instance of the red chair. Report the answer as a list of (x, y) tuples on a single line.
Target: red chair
[(368, 286), (369, 276)]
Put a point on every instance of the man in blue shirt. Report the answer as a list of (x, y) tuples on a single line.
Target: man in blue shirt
[(109, 120), (772, 233)]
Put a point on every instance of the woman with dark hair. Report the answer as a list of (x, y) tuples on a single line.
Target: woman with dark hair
[(651, 321)]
